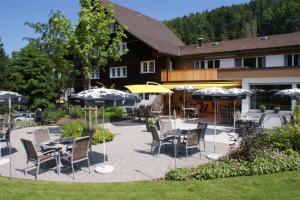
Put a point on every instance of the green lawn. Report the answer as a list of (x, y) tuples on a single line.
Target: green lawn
[(276, 186)]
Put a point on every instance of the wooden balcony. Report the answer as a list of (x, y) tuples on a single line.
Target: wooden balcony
[(189, 75), (228, 74)]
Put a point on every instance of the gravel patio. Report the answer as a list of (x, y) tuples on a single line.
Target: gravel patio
[(129, 153)]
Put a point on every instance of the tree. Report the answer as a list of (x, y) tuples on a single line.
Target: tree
[(55, 39), (31, 71), (93, 44), (4, 61), (90, 44)]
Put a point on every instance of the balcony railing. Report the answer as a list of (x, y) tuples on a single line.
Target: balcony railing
[(189, 75)]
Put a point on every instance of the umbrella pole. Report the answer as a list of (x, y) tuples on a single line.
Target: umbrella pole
[(170, 106), (234, 116), (104, 150), (90, 120), (215, 127), (96, 117), (175, 141), (184, 103), (85, 115), (9, 108)]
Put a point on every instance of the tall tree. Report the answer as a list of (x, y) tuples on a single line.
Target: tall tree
[(31, 71), (90, 44), (4, 61), (55, 38)]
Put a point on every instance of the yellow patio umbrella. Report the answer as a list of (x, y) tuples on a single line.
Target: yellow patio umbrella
[(151, 87)]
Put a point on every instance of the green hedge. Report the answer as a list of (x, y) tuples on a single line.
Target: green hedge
[(269, 162)]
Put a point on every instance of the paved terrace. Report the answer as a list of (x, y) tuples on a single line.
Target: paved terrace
[(129, 153)]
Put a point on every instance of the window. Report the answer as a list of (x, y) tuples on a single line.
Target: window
[(148, 67), (144, 96), (261, 62), (95, 74), (210, 64), (250, 62), (122, 48), (217, 63), (238, 62), (264, 95), (113, 28), (199, 64), (296, 59), (288, 60), (118, 72)]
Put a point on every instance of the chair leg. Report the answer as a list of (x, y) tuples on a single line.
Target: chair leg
[(204, 144), (72, 165), (37, 170), (159, 148), (25, 170), (88, 161), (151, 147), (200, 151), (187, 154)]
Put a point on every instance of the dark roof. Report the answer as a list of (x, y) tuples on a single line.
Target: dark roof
[(274, 41), (152, 32)]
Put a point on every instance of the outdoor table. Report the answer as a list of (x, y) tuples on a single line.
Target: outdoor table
[(57, 147)]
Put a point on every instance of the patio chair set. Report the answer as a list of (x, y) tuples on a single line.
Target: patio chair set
[(188, 139), (143, 113), (72, 151)]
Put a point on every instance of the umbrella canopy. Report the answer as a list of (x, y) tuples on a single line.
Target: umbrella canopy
[(294, 93), (213, 93), (188, 88), (13, 96), (148, 88), (102, 96), (239, 93)]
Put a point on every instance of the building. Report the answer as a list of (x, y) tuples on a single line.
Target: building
[(264, 64)]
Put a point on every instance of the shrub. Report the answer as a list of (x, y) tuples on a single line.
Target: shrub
[(111, 113), (74, 128), (285, 138), (52, 116), (98, 138), (266, 163), (76, 112)]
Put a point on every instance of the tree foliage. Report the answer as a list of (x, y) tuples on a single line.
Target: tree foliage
[(87, 45), (4, 61), (256, 18), (31, 72)]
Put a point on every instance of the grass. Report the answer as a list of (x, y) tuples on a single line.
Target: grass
[(276, 186)]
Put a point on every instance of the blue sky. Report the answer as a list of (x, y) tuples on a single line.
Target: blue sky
[(14, 13)]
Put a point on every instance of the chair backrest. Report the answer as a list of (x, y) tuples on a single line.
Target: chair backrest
[(155, 134), (30, 149), (1, 123), (202, 126), (193, 137), (237, 114), (8, 132), (165, 126), (41, 136), (129, 111), (262, 119), (80, 148), (88, 132), (283, 119)]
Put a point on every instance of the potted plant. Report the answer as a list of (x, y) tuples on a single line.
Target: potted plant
[(262, 107), (149, 122), (276, 109)]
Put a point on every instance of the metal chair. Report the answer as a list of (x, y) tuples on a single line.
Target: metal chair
[(165, 127), (283, 119), (79, 153), (202, 127), (33, 156), (192, 140), (41, 136), (261, 122), (129, 112), (158, 140)]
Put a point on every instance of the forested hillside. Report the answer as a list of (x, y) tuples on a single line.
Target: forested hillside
[(256, 18)]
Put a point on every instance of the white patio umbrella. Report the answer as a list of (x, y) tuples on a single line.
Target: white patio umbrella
[(8, 97), (101, 97), (293, 93), (214, 94), (237, 93), (184, 88)]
